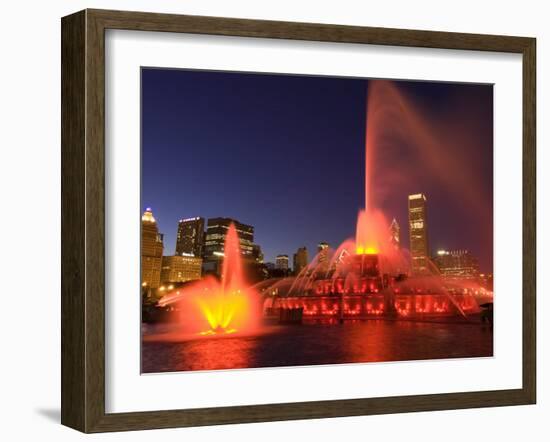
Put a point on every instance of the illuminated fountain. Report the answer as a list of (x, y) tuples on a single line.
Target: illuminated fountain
[(369, 276), (211, 306)]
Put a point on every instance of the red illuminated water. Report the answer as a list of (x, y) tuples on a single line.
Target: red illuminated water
[(365, 277), (369, 276), (352, 342)]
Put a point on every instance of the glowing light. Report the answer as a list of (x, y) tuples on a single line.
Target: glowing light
[(220, 310), (223, 306), (148, 216), (371, 232), (360, 250)]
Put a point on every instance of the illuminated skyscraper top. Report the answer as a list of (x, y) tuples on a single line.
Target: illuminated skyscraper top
[(148, 216), (418, 233), (323, 249), (395, 234), (322, 246)]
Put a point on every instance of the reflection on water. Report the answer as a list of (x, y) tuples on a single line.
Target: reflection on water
[(368, 341)]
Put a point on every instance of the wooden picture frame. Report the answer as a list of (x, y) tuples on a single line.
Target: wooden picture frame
[(83, 220)]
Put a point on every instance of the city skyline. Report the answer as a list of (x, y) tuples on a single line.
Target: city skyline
[(432, 254), (233, 186)]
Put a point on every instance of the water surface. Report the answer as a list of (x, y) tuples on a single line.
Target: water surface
[(164, 350)]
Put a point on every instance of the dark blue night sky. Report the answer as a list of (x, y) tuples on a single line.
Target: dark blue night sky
[(286, 154)]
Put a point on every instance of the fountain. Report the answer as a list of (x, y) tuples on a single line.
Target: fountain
[(369, 276), (213, 307)]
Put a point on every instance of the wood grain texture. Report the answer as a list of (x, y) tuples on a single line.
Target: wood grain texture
[(529, 221), (83, 220), (95, 222), (73, 252), (144, 21)]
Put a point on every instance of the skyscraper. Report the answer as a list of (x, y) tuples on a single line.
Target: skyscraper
[(151, 251), (190, 237), (216, 231), (418, 233), (322, 255), (281, 262), (395, 234), (300, 260)]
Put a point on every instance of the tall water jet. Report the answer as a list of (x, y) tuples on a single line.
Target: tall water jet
[(367, 242), (370, 275), (404, 142), (213, 306)]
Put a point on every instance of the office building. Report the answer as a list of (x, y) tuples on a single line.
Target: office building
[(418, 234), (457, 264), (281, 262), (216, 232), (323, 250), (395, 234), (300, 260), (190, 237), (180, 268), (151, 251), (214, 243)]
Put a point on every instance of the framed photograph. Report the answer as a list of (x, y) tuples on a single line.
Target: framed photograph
[(267, 220)]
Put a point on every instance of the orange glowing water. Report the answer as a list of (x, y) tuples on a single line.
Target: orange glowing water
[(370, 233), (372, 237), (212, 306)]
